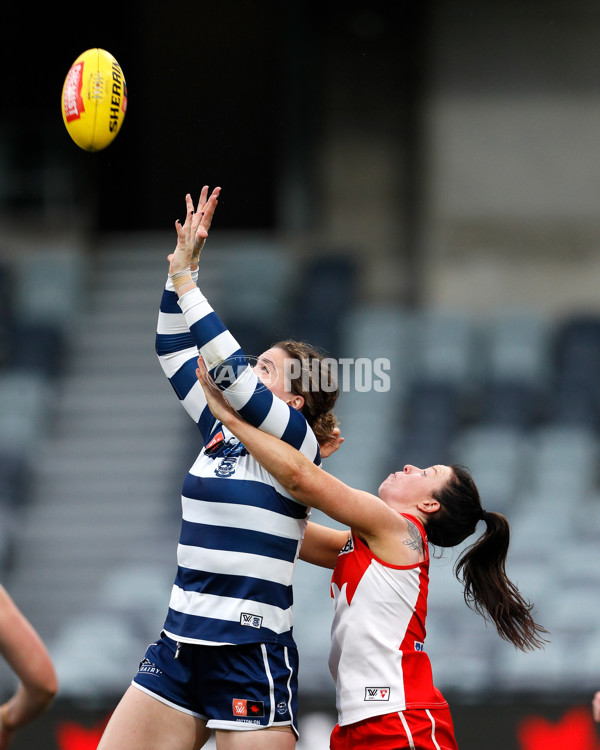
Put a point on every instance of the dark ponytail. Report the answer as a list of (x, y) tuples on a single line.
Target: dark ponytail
[(481, 567), (489, 591)]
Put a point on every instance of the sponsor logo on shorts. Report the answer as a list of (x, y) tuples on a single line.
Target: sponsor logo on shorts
[(419, 646), (251, 621), (377, 693), (147, 667), (241, 707)]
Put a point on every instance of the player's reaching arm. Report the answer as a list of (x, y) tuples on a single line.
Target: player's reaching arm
[(175, 346), (201, 330), (321, 545)]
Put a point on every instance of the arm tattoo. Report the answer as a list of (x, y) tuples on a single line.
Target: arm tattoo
[(416, 540)]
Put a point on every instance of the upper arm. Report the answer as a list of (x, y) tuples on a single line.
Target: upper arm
[(365, 513), (178, 353), (389, 535), (321, 545), (186, 327)]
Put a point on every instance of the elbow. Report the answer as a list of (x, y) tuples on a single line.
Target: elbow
[(47, 693), (45, 698), (45, 689), (295, 481), (51, 688), (292, 482)]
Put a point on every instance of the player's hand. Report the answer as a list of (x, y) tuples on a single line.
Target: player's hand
[(332, 443), (192, 234), (215, 400)]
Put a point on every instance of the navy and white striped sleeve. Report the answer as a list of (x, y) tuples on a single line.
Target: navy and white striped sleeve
[(178, 354), (234, 376)]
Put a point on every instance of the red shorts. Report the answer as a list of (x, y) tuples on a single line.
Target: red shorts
[(417, 729)]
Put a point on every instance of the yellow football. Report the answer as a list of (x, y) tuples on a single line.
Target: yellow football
[(94, 99)]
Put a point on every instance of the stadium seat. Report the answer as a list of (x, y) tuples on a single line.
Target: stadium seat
[(109, 641), (512, 403), (517, 347), (446, 347), (327, 290), (497, 456), (62, 267), (140, 592), (24, 406), (39, 347), (6, 313)]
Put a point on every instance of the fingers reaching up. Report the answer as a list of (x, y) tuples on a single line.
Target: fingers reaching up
[(192, 234), (204, 216)]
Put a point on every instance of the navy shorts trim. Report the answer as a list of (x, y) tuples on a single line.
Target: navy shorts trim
[(234, 687)]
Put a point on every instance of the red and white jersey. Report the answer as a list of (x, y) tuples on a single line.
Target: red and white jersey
[(377, 656)]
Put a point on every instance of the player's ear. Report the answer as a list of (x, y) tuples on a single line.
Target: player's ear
[(429, 505), (296, 402)]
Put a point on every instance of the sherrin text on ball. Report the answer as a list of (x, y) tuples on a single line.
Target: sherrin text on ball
[(94, 99)]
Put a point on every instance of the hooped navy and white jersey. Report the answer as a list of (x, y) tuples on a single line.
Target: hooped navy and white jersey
[(241, 530)]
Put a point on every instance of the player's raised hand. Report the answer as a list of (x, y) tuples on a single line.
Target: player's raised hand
[(192, 234)]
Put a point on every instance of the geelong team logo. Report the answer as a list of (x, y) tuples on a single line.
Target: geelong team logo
[(226, 467)]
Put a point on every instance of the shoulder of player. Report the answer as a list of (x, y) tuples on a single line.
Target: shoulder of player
[(399, 542)]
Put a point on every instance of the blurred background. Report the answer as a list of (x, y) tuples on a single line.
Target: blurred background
[(412, 181)]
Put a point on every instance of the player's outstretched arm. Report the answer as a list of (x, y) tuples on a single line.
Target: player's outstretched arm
[(175, 345), (219, 348), (305, 481), (321, 545)]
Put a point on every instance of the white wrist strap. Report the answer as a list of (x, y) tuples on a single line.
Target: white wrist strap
[(179, 274)]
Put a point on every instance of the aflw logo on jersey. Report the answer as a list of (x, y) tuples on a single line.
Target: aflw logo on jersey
[(377, 693), (251, 621)]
